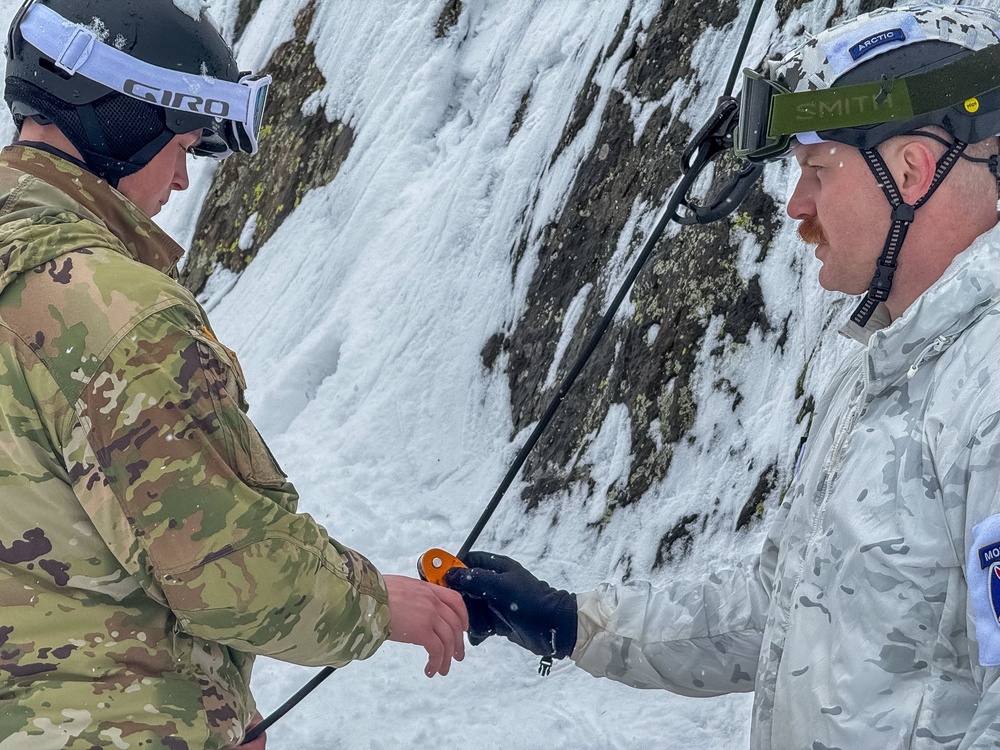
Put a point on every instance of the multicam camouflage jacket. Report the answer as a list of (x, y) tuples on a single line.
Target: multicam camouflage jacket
[(149, 543), (870, 619)]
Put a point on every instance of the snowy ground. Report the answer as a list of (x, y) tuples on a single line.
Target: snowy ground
[(360, 327)]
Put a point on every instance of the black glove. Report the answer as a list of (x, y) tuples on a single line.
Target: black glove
[(502, 597)]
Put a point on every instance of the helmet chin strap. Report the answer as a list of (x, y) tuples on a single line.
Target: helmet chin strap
[(993, 164), (902, 217)]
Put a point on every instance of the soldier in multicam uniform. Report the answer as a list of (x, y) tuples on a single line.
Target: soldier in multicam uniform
[(149, 544), (870, 618)]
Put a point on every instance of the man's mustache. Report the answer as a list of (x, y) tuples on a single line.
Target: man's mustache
[(812, 232)]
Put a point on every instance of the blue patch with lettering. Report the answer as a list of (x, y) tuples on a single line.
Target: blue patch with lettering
[(989, 555), (982, 571), (875, 41), (995, 590)]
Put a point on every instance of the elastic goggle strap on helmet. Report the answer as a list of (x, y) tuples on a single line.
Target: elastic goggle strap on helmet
[(902, 217), (78, 50)]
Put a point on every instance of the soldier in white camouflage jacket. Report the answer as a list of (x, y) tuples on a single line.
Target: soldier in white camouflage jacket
[(871, 618)]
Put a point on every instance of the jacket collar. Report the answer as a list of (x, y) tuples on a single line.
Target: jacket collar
[(968, 289), (92, 198)]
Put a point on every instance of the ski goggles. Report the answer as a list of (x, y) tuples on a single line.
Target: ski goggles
[(771, 116), (229, 136), (230, 114), (754, 138)]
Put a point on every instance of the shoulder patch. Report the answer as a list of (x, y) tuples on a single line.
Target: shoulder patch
[(983, 575), (995, 590)]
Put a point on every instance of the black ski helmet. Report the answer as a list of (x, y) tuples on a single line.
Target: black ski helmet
[(119, 133)]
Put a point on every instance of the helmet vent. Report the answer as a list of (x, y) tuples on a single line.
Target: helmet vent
[(50, 66)]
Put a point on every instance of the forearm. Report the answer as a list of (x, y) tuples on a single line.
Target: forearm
[(292, 594), (214, 533), (698, 640)]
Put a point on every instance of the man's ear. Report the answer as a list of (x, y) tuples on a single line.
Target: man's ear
[(913, 166)]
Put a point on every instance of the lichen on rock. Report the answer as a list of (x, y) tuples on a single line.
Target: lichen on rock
[(691, 301), (299, 152)]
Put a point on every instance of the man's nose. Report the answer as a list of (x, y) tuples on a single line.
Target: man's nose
[(801, 205), (181, 180)]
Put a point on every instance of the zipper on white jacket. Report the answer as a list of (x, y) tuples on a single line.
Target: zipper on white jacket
[(832, 463), (844, 429)]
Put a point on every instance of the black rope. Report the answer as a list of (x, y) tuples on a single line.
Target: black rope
[(669, 213), (578, 366), (288, 705), (742, 49)]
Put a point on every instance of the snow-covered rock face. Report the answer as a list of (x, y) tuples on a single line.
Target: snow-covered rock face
[(247, 204), (586, 143), (626, 126), (452, 191)]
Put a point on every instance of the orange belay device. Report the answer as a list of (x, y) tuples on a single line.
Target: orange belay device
[(434, 563)]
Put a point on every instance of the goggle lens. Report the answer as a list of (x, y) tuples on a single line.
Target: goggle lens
[(230, 136), (212, 144), (752, 141), (258, 115), (245, 135)]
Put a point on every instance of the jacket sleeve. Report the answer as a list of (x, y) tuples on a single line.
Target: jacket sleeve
[(164, 456), (696, 638), (974, 479)]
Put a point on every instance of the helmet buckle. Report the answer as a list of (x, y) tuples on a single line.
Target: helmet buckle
[(882, 282), (885, 89)]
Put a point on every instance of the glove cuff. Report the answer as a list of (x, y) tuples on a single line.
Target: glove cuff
[(565, 621)]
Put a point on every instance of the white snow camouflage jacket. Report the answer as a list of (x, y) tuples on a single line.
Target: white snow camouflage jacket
[(869, 619)]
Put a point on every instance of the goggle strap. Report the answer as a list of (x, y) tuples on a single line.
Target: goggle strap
[(903, 98), (76, 49)]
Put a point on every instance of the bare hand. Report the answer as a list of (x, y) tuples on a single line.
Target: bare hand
[(430, 616), (260, 742)]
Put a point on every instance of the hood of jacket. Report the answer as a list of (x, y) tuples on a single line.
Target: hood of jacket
[(50, 206)]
